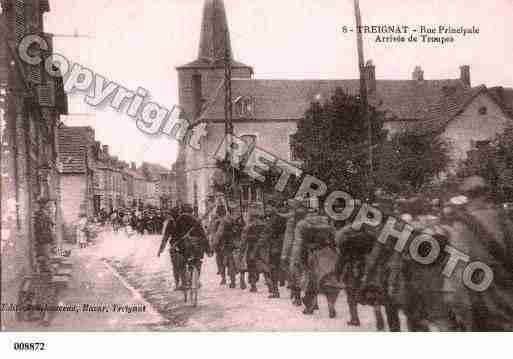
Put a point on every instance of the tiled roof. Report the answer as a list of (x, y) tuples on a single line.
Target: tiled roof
[(450, 103), (289, 99), (156, 168), (135, 174), (73, 146), (504, 96)]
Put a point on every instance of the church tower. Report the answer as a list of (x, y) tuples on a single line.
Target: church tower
[(200, 80)]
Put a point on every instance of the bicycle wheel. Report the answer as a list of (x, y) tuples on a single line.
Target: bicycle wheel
[(194, 286), (187, 283)]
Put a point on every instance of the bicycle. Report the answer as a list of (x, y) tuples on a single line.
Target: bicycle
[(192, 283)]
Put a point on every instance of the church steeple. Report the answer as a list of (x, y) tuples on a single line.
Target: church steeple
[(215, 35), (215, 41)]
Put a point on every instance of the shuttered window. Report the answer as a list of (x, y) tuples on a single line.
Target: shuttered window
[(20, 19), (46, 94), (34, 74)]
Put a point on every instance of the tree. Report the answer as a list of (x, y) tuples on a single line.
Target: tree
[(332, 141), (410, 160), (494, 162)]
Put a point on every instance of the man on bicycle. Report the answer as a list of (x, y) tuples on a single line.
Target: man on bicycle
[(190, 241)]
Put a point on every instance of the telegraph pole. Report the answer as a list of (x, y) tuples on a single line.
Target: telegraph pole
[(364, 95), (228, 114), (228, 91)]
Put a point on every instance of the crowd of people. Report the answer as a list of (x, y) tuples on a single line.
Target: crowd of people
[(292, 247), (149, 220)]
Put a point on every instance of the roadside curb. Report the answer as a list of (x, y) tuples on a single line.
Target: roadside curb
[(133, 291)]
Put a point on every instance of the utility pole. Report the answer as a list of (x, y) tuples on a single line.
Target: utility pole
[(364, 95), (228, 113), (228, 120)]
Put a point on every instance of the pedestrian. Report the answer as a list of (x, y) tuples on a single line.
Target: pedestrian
[(43, 230), (81, 231), (114, 219)]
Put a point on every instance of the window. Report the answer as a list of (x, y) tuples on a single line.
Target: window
[(244, 107), (96, 180), (482, 144), (483, 110), (197, 94)]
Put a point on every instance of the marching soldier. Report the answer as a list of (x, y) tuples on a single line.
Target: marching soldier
[(227, 237), (296, 213), (215, 245), (316, 236), (249, 239), (480, 229), (272, 239)]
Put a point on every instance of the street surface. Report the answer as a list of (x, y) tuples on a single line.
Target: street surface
[(122, 270)]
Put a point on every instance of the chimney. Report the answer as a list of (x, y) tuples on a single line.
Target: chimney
[(465, 75), (97, 150), (133, 167), (418, 74), (106, 150), (370, 76)]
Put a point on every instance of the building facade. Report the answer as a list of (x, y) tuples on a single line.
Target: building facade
[(93, 179), (31, 103), (266, 112)]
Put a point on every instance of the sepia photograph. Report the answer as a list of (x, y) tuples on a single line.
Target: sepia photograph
[(255, 166)]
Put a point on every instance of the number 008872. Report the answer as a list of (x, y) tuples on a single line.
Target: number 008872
[(29, 346)]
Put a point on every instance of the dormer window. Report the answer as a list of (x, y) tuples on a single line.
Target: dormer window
[(244, 107)]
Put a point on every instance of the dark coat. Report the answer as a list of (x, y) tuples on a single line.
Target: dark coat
[(43, 228), (485, 233)]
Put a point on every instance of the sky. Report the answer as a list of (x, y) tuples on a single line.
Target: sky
[(139, 43)]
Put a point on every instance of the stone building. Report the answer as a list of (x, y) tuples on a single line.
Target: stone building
[(93, 179), (77, 162), (31, 103), (161, 183), (266, 112)]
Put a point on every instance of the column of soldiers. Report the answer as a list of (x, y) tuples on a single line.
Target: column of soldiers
[(294, 243), (284, 242)]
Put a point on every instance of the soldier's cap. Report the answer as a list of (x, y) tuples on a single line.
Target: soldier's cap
[(473, 183)]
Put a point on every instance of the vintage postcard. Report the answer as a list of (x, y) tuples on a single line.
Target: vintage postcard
[(256, 166)]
